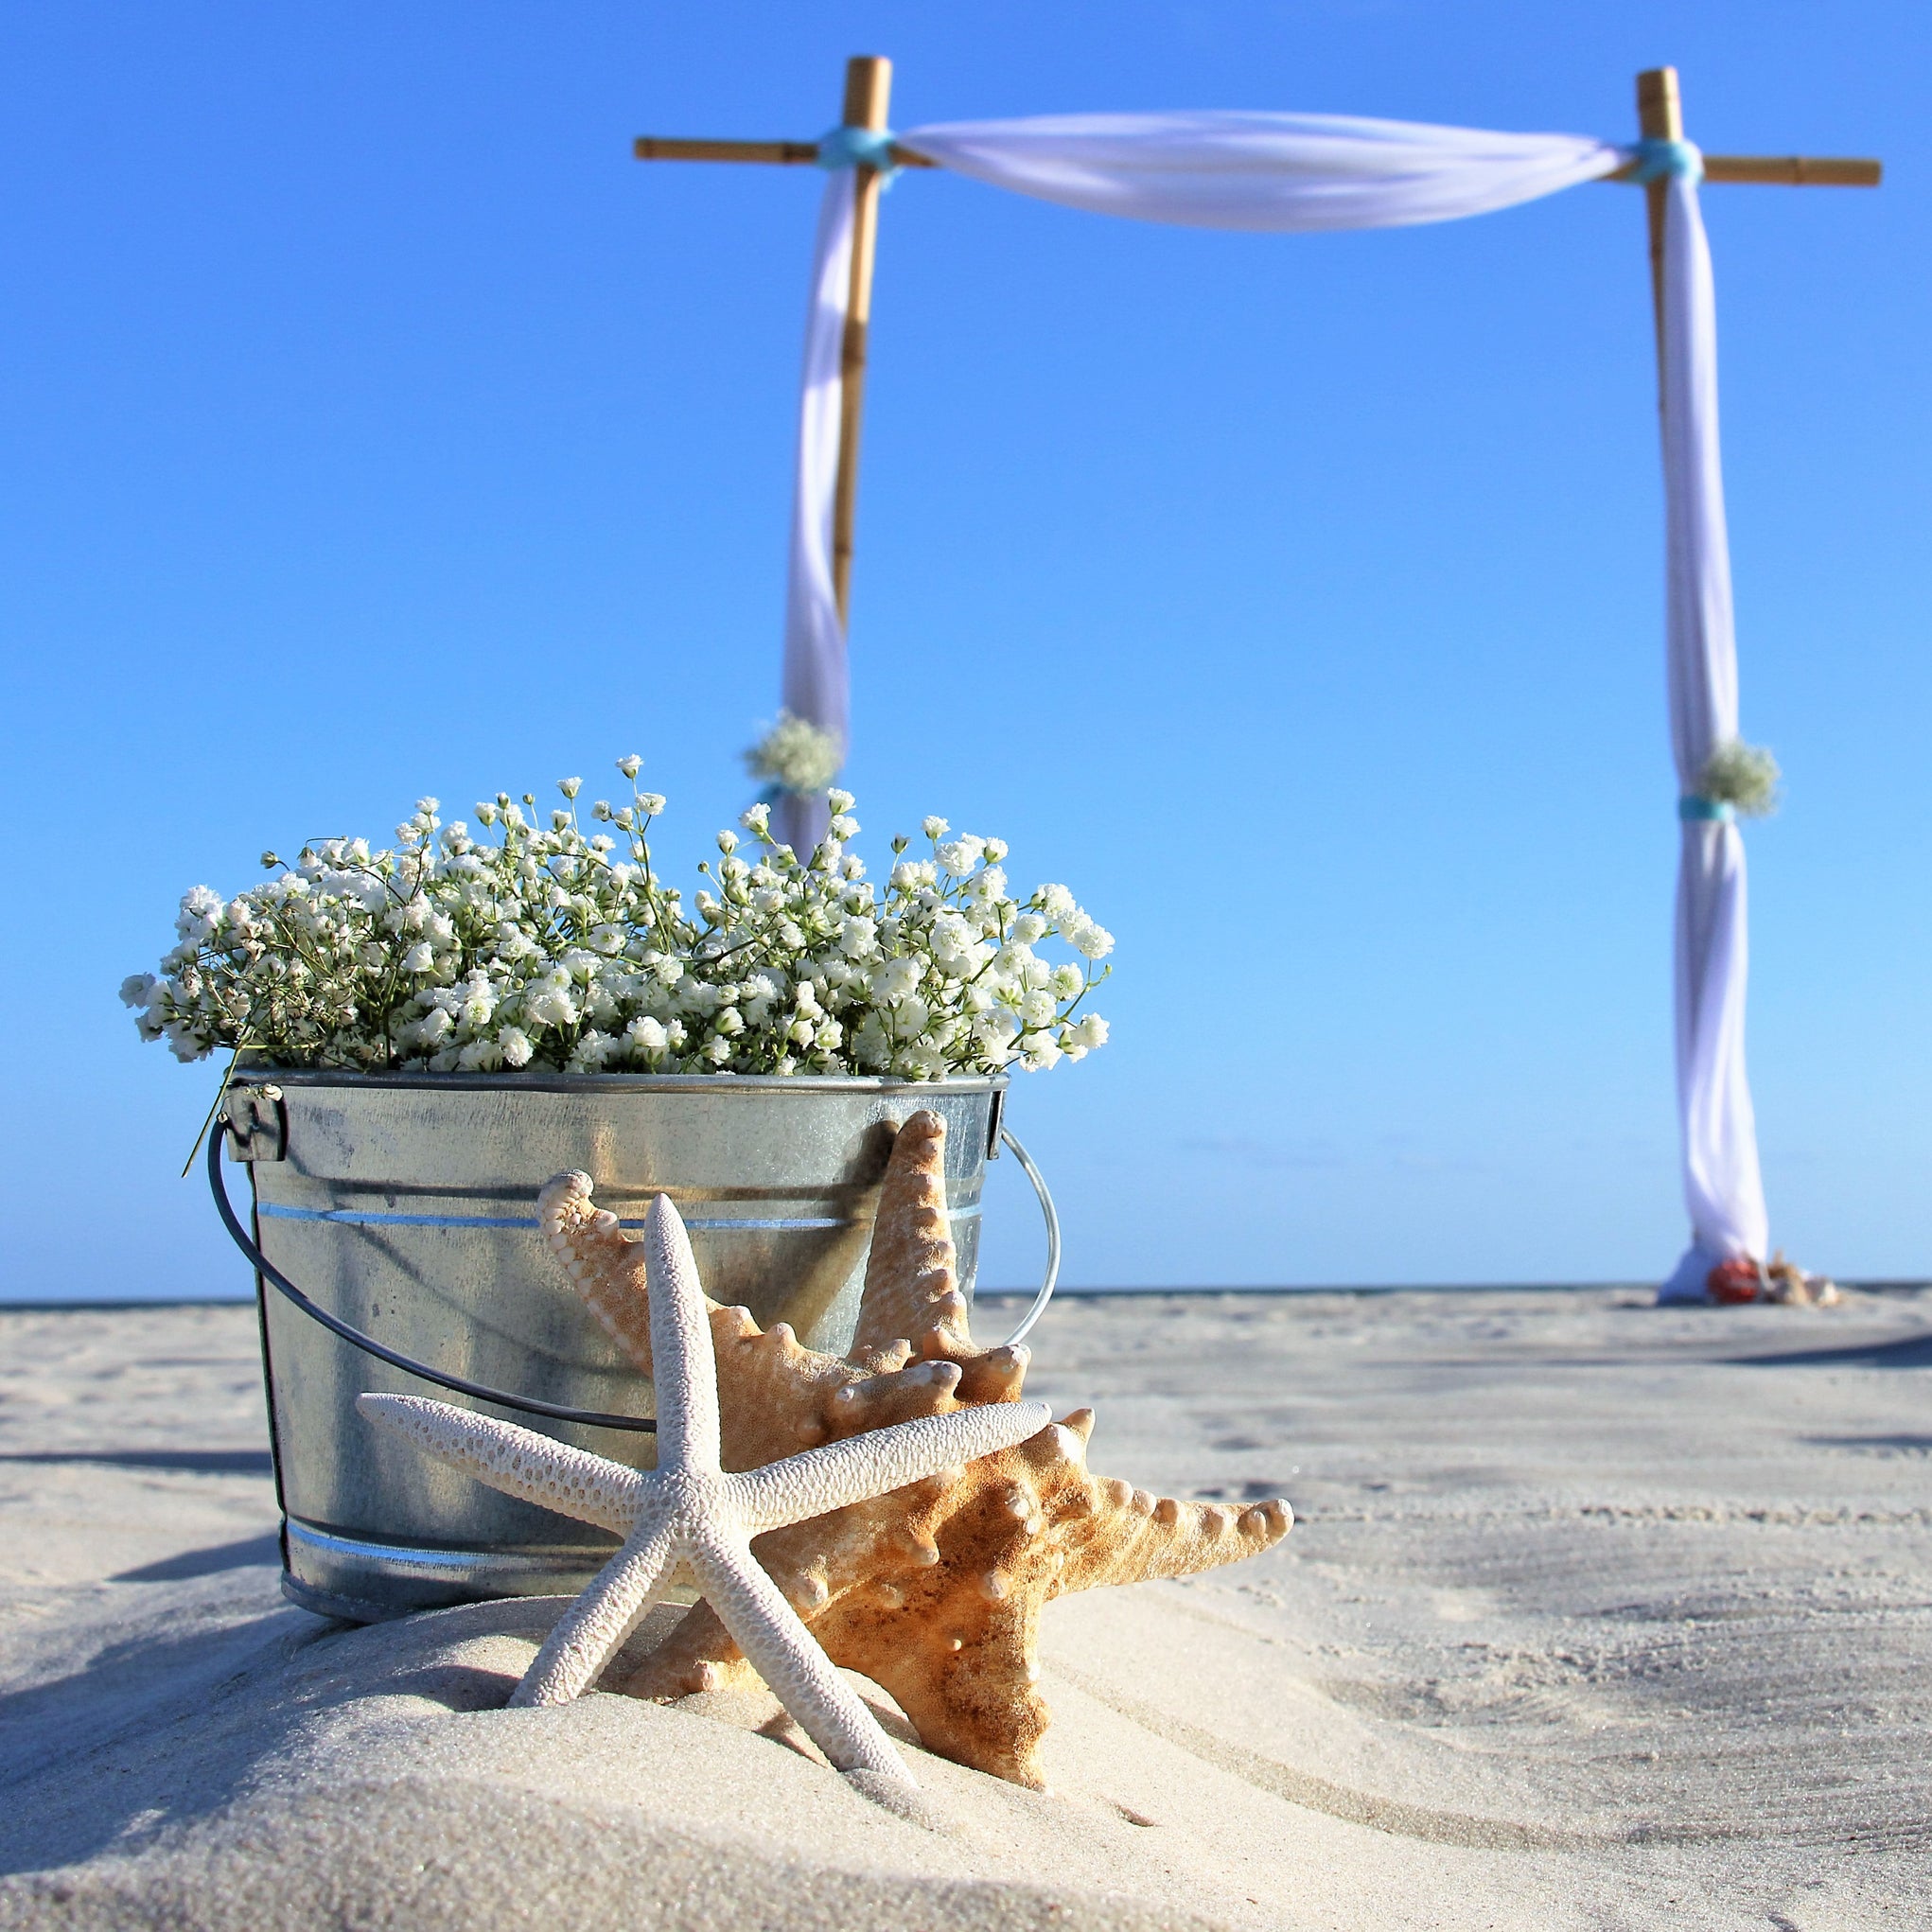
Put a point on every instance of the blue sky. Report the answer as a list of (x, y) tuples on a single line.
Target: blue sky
[(374, 427)]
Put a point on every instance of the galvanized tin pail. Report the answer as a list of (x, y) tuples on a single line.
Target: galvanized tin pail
[(403, 1209)]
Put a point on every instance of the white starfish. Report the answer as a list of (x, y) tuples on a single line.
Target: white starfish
[(688, 1509)]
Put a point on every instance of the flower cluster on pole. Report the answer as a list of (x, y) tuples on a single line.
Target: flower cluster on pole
[(1745, 776), (544, 946), (795, 756)]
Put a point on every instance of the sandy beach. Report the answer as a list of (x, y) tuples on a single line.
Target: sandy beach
[(1594, 1615)]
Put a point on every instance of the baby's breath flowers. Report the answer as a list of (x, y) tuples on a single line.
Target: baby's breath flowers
[(1744, 777), (545, 947), (795, 756)]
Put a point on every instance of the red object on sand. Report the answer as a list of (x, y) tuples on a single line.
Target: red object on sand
[(1736, 1280)]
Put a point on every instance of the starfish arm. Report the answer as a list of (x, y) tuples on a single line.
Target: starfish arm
[(866, 1466), (912, 1287), (604, 1268), (517, 1461), (1134, 1538), (788, 1657), (684, 1366), (591, 1631)]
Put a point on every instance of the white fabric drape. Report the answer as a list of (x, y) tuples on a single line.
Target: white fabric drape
[(1218, 171), (1723, 1188), (1264, 170), (816, 684), (1306, 172)]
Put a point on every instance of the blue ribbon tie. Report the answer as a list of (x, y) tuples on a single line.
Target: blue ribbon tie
[(1660, 159), (1694, 810), (858, 147)]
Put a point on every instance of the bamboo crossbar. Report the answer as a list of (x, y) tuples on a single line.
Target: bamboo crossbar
[(782, 153), (1785, 170)]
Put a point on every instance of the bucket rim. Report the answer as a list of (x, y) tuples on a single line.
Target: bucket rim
[(254, 1072)]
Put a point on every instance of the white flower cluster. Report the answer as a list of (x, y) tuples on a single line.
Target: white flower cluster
[(1744, 777), (797, 756), (546, 948)]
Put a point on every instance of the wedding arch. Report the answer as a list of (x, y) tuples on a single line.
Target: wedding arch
[(1300, 173)]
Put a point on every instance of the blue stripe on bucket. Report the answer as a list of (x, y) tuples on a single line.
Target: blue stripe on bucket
[(355, 1218), (358, 1218)]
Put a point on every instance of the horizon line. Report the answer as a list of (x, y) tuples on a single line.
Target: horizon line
[(1878, 1285)]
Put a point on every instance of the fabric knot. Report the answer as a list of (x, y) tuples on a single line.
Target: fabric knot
[(1694, 810), (1660, 159), (857, 147)]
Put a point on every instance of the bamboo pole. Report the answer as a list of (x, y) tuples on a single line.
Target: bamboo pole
[(868, 93), (1659, 118)]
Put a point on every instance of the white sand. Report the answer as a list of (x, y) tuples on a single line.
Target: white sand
[(1595, 1616)]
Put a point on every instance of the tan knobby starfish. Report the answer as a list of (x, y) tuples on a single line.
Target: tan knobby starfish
[(935, 1591), (688, 1510)]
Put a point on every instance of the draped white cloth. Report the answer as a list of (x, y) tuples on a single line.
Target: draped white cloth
[(817, 683), (1723, 1188), (1274, 171), (1218, 171), (1288, 172)]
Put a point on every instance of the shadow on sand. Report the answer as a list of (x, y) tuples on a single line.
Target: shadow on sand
[(189, 1462), (170, 1724), (1912, 1351), (266, 1548)]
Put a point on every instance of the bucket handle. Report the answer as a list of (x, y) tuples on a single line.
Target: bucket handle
[(1051, 1218), (529, 1405), (267, 1270)]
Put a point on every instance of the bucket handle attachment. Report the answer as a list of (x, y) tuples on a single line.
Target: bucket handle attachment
[(529, 1405)]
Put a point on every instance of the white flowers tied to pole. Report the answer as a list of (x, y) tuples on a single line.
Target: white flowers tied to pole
[(794, 759), (1745, 776), (547, 949)]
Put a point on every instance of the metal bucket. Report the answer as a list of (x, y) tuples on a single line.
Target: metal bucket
[(401, 1210)]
